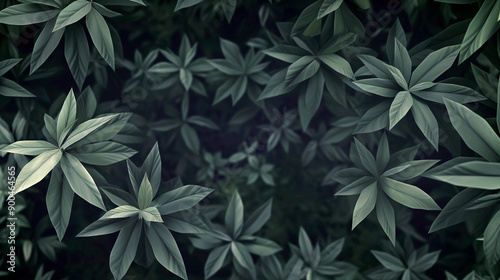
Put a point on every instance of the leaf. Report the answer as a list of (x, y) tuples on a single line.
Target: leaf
[(26, 14), (455, 211), (457, 93), (101, 36), (119, 196), (181, 4), (243, 257), (59, 200), (258, 218), (7, 64), (67, 115), (378, 86), (396, 33), (85, 129), (102, 227), (102, 153), (386, 217), (11, 89), (125, 248), (301, 70), (216, 260), (45, 44), (185, 222), (76, 53), (306, 248), (145, 195), (365, 204), (388, 261), (474, 130), (426, 122), (263, 247), (426, 261), (491, 243), (228, 7), (124, 211), (150, 214), (408, 195), (338, 64), (402, 60), (376, 66), (434, 65), (29, 147), (471, 174), (328, 7), (190, 138), (202, 121), (165, 249), (481, 28), (234, 215), (399, 108), (310, 101), (80, 180), (376, 118), (72, 13), (306, 19), (367, 160), (35, 170)]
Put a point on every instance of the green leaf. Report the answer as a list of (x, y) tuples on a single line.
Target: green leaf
[(85, 129), (181, 4), (367, 160), (145, 195), (258, 218), (6, 65), (383, 153), (67, 115), (301, 70), (102, 227), (356, 186), (102, 153), (306, 248), (376, 66), (124, 211), (234, 215), (45, 44), (190, 138), (425, 262), (426, 122), (59, 200), (365, 204), (491, 243), (310, 101), (457, 93), (386, 217), (80, 180), (182, 198), (408, 195), (150, 214), (307, 18), (481, 28), (472, 174), (262, 247), (388, 261), (402, 60), (328, 7), (77, 54), (101, 36), (338, 64), (396, 33), (243, 257), (185, 222), (399, 108), (455, 211), (376, 118), (26, 14), (215, 260), (35, 170), (435, 64), (11, 89), (202, 121), (119, 196), (475, 131), (72, 13), (29, 147), (125, 248), (165, 249), (378, 86)]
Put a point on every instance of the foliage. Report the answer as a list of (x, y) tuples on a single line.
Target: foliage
[(338, 109)]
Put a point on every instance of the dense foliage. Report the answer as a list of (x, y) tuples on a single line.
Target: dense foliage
[(270, 140)]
